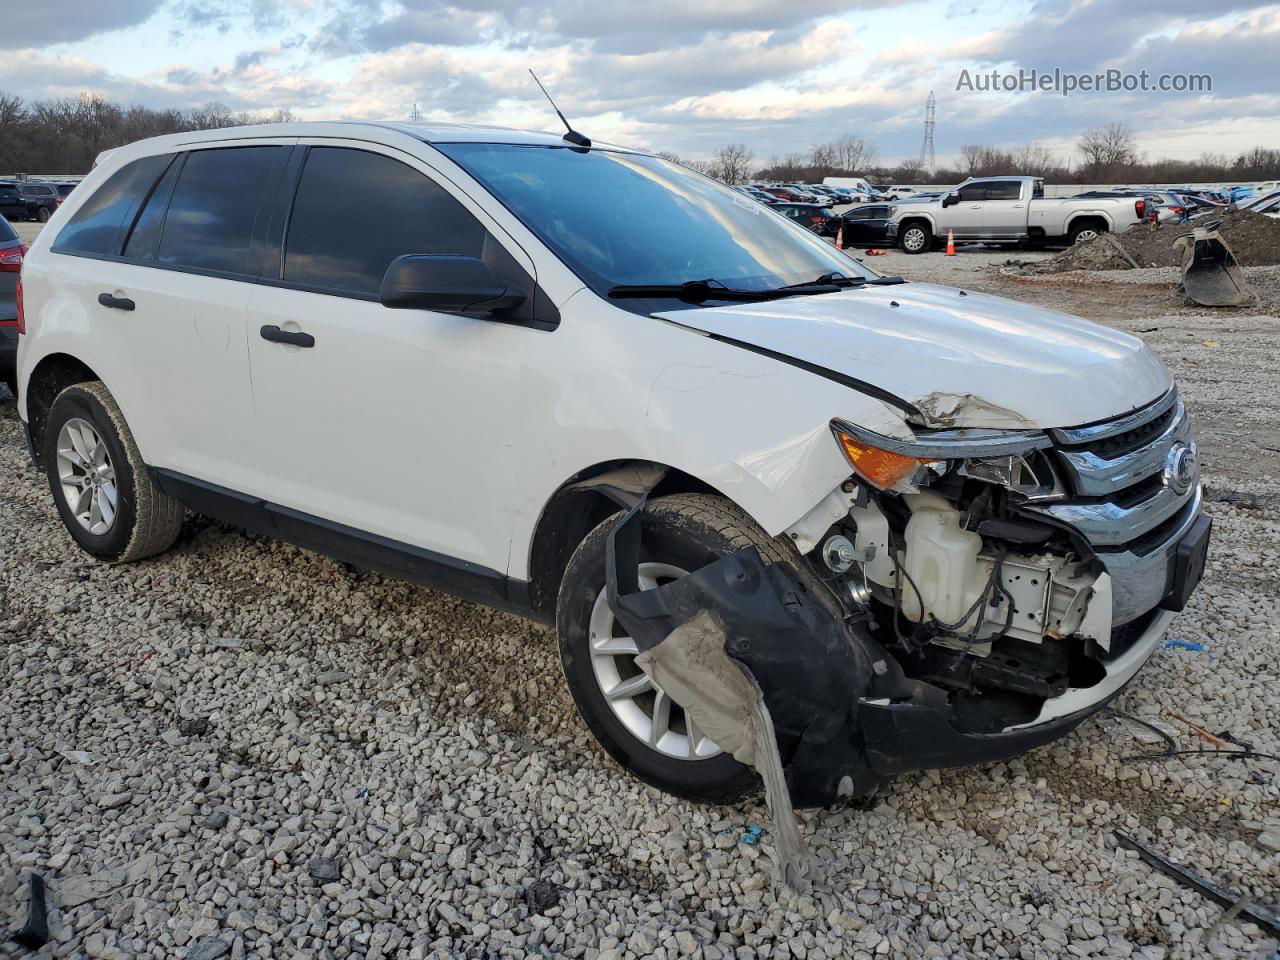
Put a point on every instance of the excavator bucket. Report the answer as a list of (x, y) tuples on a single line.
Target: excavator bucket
[(1210, 274)]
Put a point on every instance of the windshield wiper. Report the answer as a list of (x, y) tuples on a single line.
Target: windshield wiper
[(700, 291), (840, 280)]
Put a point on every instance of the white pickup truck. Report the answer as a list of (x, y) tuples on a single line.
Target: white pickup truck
[(1010, 210)]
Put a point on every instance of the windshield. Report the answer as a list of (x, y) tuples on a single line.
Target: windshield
[(619, 219)]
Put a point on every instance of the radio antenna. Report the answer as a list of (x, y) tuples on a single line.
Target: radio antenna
[(572, 136)]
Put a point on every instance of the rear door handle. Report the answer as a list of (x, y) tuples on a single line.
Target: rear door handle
[(115, 303), (273, 333)]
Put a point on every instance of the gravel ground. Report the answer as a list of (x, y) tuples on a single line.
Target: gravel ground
[(243, 749)]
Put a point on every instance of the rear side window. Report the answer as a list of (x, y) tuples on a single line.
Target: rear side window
[(97, 226), (145, 236), (1004, 190), (6, 231), (214, 205), (354, 212)]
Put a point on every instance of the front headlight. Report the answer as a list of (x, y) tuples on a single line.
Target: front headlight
[(1013, 459), (1030, 475)]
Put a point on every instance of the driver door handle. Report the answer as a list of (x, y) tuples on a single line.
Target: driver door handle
[(114, 302), (273, 333)]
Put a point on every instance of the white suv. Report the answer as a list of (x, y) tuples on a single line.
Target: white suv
[(594, 387)]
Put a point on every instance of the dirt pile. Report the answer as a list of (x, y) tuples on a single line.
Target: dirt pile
[(1254, 238)]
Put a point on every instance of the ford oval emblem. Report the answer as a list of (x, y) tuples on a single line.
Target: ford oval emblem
[(1180, 468)]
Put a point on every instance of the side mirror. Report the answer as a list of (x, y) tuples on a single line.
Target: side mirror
[(951, 199), (446, 284)]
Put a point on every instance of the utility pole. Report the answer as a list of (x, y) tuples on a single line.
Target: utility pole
[(928, 163)]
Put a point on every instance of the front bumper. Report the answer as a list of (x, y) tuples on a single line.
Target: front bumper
[(909, 736)]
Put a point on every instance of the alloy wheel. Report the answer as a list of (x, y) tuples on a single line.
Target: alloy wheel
[(644, 708), (87, 476)]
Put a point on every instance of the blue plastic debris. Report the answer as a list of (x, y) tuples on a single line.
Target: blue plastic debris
[(1191, 645), (750, 833)]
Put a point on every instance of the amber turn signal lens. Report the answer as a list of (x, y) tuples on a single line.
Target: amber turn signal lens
[(879, 468)]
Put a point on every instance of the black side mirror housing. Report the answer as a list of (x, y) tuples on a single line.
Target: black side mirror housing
[(446, 284), (951, 199)]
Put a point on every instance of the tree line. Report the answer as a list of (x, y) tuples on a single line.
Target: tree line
[(63, 136), (1104, 154)]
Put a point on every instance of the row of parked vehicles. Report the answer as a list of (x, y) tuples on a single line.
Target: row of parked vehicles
[(993, 210), (864, 224), (32, 199)]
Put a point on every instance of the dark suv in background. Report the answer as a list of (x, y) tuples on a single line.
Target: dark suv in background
[(11, 252), (28, 200)]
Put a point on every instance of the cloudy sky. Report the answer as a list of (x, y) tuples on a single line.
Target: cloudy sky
[(685, 75)]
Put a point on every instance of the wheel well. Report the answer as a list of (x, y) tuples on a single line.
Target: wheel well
[(51, 376), (570, 516), (921, 221), (1099, 223)]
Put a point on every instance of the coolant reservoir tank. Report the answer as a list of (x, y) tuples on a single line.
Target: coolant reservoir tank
[(941, 557)]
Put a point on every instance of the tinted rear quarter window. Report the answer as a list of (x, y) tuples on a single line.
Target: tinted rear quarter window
[(1004, 190), (214, 206), (6, 231), (145, 236), (97, 226), (354, 212)]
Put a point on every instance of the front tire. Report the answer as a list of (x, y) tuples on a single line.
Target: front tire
[(683, 532), (915, 238), (104, 493)]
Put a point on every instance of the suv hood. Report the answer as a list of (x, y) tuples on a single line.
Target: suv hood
[(961, 359)]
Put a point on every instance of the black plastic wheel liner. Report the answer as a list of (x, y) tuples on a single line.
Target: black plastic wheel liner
[(810, 664)]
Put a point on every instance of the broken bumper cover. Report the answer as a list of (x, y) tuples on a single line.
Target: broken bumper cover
[(911, 736)]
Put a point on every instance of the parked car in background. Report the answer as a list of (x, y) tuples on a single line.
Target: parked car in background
[(64, 191), (817, 217), (1267, 204), (786, 193), (898, 193), (12, 205), (11, 254), (868, 225), (1011, 209), (40, 199), (756, 194)]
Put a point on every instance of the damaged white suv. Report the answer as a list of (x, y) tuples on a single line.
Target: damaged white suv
[(591, 386)]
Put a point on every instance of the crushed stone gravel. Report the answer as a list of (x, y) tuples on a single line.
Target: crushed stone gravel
[(241, 749)]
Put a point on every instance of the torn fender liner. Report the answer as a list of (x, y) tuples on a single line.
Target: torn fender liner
[(726, 702), (810, 666)]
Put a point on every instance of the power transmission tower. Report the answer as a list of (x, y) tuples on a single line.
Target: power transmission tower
[(416, 115), (927, 161)]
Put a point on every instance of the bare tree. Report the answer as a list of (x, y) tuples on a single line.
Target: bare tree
[(1108, 150), (853, 154), (732, 164)]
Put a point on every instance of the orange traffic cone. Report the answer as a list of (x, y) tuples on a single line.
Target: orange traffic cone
[(951, 243), (840, 238)]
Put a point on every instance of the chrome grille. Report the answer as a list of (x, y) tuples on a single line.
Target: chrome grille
[(1120, 500)]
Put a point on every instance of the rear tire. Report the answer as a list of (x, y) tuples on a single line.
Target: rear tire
[(104, 493), (1084, 232), (43, 214), (684, 531)]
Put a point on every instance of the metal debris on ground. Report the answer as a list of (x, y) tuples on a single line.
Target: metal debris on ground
[(34, 934), (1245, 750), (1268, 920)]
